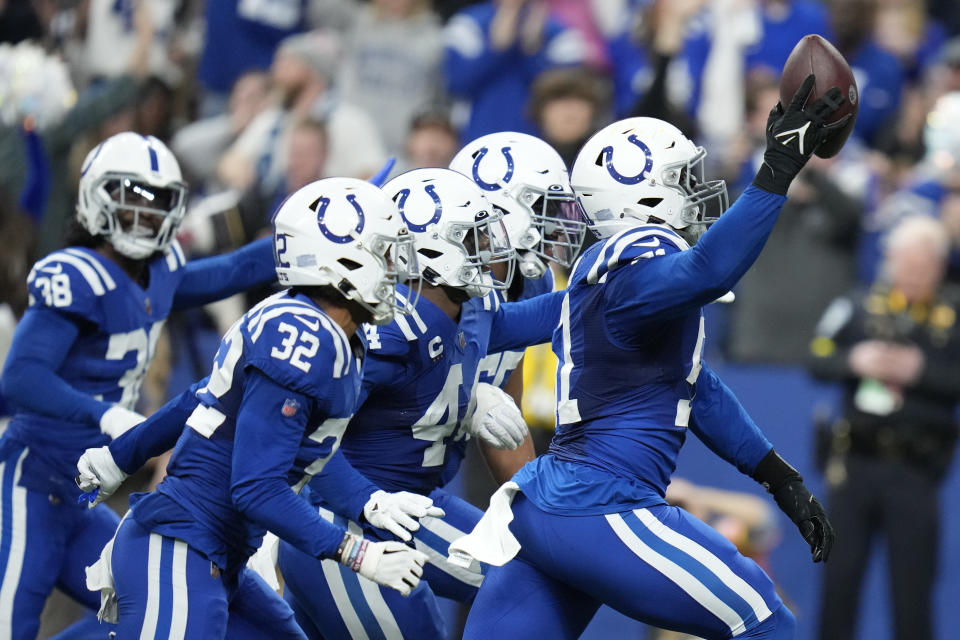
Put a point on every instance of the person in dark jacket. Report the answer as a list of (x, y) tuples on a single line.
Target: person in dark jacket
[(895, 348)]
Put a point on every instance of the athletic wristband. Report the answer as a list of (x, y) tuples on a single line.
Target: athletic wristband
[(773, 472), (351, 551)]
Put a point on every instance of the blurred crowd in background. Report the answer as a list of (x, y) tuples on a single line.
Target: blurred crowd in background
[(258, 97)]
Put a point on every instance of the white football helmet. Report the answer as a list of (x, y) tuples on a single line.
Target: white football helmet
[(526, 178), (642, 170), (346, 233), (461, 239), (131, 191)]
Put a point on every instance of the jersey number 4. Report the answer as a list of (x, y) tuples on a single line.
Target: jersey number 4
[(440, 419)]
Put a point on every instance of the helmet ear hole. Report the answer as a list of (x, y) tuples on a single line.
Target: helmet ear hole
[(351, 265)]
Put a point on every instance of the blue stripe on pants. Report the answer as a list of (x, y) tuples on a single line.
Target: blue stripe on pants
[(6, 532), (693, 566), (165, 584)]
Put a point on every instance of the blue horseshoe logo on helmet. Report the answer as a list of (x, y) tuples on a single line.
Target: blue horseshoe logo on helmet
[(437, 208), (492, 186), (607, 154), (320, 206)]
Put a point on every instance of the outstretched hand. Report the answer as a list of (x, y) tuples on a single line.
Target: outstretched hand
[(795, 133)]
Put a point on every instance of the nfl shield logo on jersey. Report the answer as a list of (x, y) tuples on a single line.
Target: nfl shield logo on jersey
[(290, 408)]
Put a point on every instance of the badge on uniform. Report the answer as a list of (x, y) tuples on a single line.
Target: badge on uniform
[(290, 408), (462, 339)]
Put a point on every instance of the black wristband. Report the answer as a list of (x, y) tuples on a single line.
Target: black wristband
[(769, 179), (773, 472)]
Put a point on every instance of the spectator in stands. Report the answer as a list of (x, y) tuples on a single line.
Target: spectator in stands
[(927, 185), (431, 142), (199, 145), (302, 76), (241, 36), (111, 36), (37, 132), (493, 52), (567, 107), (306, 151), (651, 71), (782, 24), (391, 65), (880, 76), (895, 350)]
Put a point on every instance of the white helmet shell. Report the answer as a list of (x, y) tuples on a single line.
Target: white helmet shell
[(461, 238), (345, 233), (526, 178), (131, 191), (642, 170)]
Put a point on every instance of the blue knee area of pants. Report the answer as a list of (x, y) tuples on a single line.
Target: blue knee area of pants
[(256, 612), (165, 589), (331, 597), (46, 543), (781, 625)]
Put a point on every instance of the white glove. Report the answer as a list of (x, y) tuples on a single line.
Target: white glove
[(497, 420), (118, 420), (392, 564), (395, 512), (97, 470)]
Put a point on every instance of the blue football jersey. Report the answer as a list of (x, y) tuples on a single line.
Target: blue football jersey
[(495, 368), (289, 340), (119, 322), (629, 342), (623, 396), (417, 384)]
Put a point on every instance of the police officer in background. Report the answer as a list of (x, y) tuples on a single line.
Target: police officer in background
[(896, 350)]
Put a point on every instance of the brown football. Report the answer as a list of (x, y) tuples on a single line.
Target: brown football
[(815, 55)]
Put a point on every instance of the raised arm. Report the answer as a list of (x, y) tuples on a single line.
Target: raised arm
[(658, 287), (211, 279)]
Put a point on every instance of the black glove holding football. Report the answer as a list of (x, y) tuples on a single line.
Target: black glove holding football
[(792, 135), (795, 500)]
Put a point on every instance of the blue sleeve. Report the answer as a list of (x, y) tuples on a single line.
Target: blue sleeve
[(721, 423), (264, 450), (30, 381), (156, 434), (210, 279), (676, 283), (518, 325), (344, 488)]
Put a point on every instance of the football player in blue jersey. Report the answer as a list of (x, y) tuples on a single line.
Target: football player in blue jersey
[(284, 385), (588, 523), (527, 180), (79, 357), (411, 429)]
